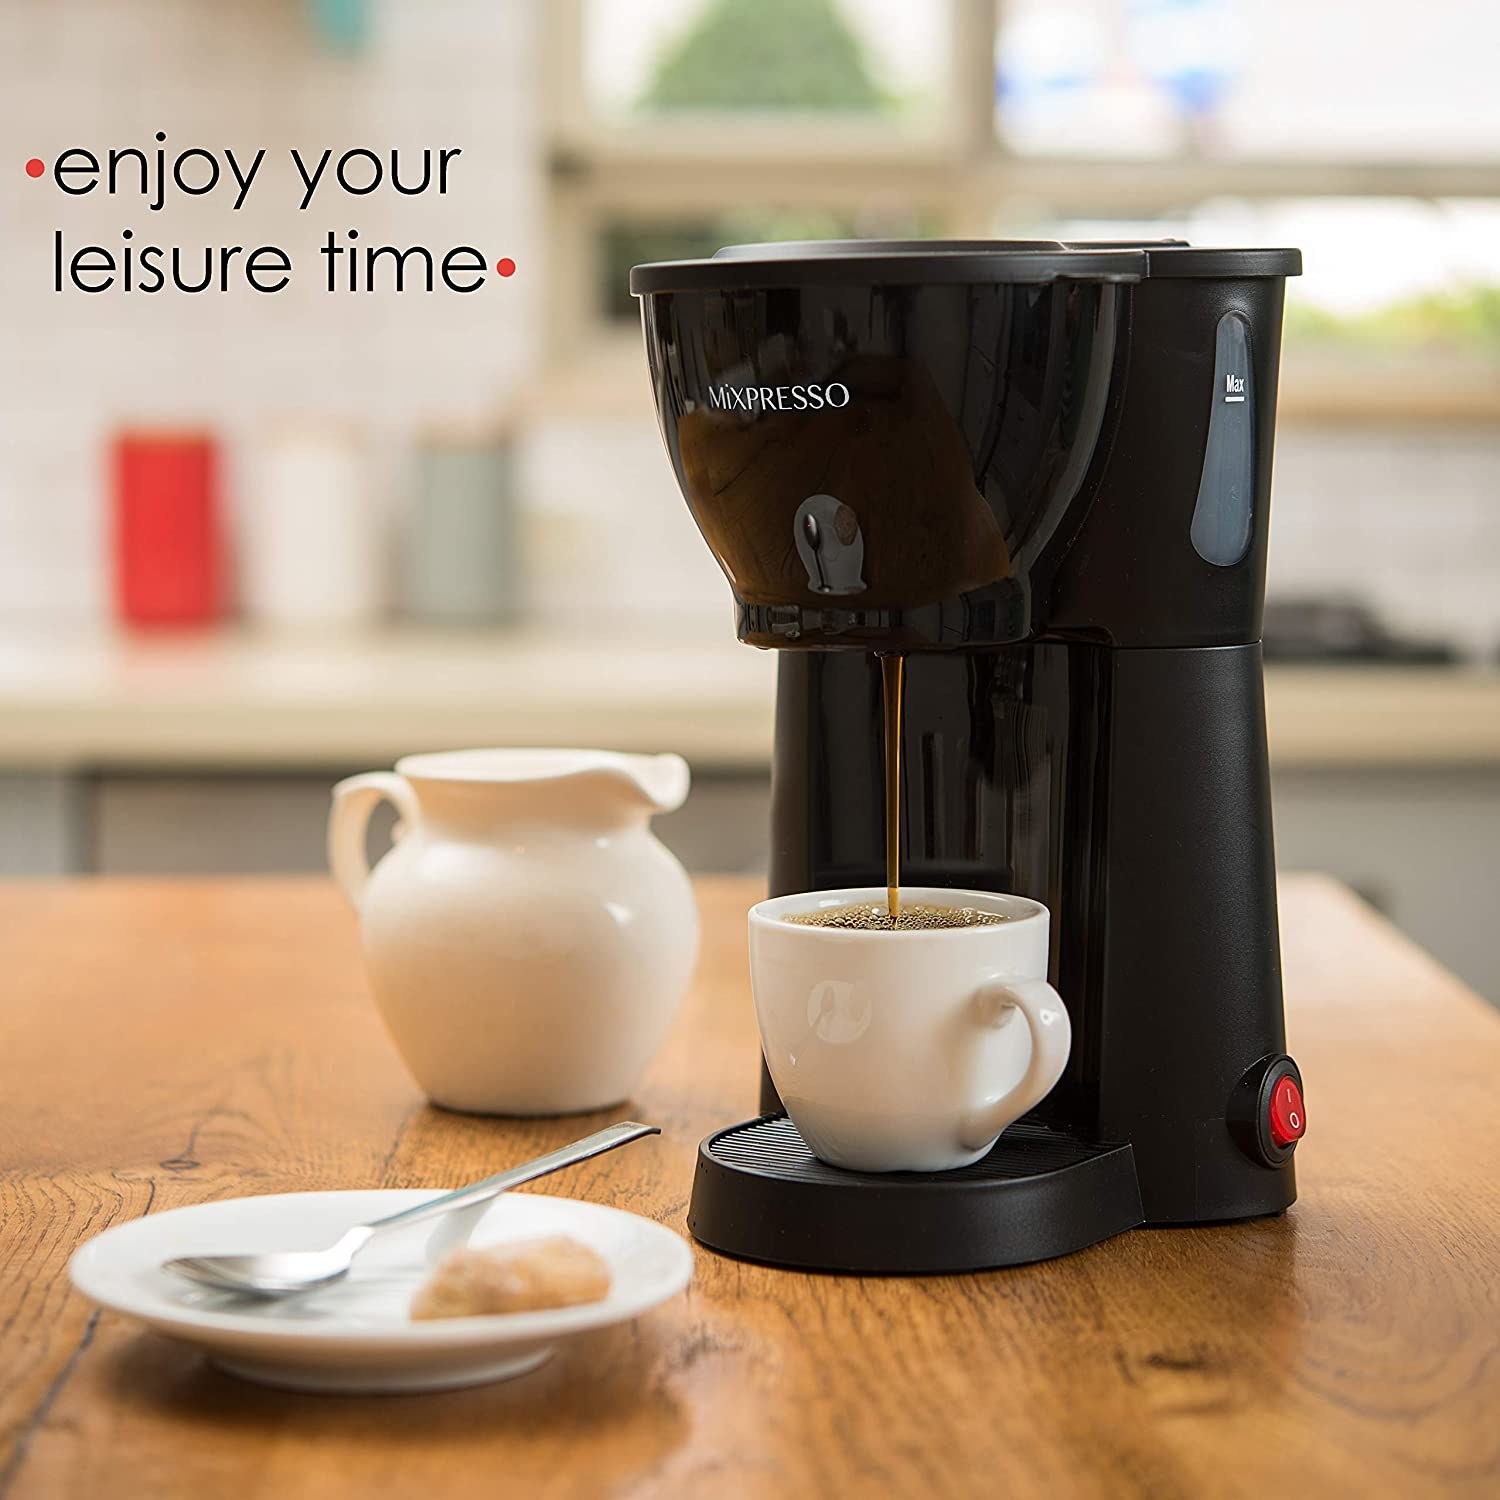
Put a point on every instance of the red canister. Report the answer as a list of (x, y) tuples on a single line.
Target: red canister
[(168, 533)]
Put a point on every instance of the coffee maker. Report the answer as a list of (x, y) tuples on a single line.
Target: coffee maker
[(1042, 472)]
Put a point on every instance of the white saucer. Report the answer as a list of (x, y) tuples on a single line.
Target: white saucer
[(356, 1335)]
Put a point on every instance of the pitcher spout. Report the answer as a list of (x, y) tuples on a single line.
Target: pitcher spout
[(662, 780), (566, 786)]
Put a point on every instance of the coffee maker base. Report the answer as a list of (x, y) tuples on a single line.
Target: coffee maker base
[(760, 1194)]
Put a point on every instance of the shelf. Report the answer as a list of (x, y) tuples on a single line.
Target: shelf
[(244, 701)]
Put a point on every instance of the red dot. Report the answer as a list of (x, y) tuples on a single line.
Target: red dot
[(506, 266), (35, 167)]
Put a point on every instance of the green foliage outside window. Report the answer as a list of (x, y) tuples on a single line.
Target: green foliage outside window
[(1464, 320), (766, 55)]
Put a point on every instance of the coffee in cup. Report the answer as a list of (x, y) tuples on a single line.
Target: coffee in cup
[(921, 916)]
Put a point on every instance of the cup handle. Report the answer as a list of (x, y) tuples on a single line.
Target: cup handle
[(354, 800), (1051, 1039)]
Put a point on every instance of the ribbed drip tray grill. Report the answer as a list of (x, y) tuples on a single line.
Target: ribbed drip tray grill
[(774, 1145), (761, 1194)]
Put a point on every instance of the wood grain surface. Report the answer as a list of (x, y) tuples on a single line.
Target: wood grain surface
[(165, 1044)]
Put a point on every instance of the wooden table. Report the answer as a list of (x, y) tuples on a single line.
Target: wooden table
[(164, 1044)]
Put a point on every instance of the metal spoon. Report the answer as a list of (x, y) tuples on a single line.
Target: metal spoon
[(281, 1273)]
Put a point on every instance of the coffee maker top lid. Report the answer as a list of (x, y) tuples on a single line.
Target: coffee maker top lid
[(896, 262)]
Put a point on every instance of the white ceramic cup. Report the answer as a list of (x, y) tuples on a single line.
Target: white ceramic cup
[(906, 1051)]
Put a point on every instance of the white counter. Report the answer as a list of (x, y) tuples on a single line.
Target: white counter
[(241, 701)]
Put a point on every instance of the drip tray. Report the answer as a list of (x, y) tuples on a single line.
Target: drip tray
[(759, 1193)]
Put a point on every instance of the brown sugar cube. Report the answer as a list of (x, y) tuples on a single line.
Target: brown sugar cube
[(524, 1276)]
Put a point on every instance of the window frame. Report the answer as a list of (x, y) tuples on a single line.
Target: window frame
[(960, 174)]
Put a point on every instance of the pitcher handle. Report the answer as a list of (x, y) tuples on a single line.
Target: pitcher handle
[(354, 800), (1051, 1039)]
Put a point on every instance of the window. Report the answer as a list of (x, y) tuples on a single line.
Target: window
[(1365, 131), (1335, 80), (880, 64)]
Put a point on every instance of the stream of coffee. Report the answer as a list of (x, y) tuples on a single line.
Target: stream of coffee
[(892, 674), (866, 916)]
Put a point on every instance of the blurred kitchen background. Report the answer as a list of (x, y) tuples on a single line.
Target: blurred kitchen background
[(402, 522)]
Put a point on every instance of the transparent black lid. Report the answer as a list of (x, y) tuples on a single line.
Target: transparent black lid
[(897, 262)]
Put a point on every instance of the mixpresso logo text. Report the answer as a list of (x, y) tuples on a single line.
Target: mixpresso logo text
[(778, 397)]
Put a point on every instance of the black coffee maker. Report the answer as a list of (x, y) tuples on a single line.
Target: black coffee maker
[(1042, 471)]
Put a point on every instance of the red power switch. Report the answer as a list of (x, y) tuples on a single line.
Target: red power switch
[(1288, 1116)]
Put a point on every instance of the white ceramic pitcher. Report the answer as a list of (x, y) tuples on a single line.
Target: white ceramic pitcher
[(528, 939)]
